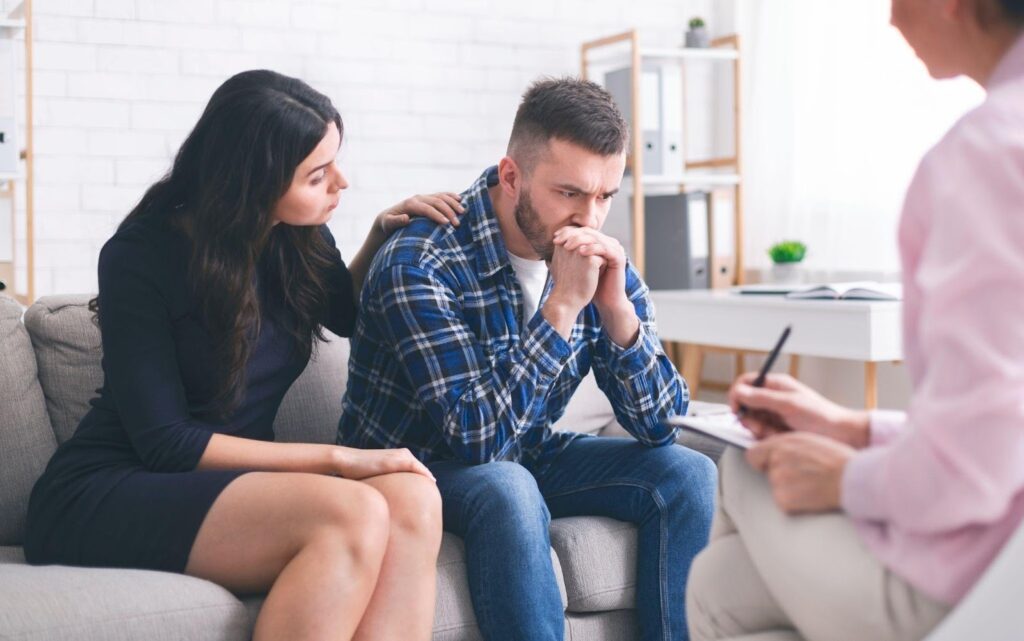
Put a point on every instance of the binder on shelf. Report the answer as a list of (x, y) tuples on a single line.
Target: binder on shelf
[(676, 242), (723, 238), (661, 114)]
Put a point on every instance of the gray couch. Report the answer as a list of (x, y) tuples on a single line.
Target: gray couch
[(49, 369)]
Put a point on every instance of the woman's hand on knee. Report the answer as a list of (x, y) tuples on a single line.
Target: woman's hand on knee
[(785, 402), (354, 463)]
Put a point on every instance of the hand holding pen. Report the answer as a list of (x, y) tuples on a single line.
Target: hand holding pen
[(768, 404)]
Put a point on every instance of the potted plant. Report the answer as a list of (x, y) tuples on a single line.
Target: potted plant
[(786, 256), (697, 36)]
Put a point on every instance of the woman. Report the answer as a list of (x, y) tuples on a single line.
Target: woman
[(929, 497), (212, 294)]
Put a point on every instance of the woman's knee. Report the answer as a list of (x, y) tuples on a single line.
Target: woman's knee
[(353, 515), (414, 505)]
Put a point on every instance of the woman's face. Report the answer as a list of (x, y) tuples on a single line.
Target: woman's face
[(315, 188)]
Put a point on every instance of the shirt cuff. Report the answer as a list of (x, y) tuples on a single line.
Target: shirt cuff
[(862, 494), (885, 426), (545, 346), (627, 362)]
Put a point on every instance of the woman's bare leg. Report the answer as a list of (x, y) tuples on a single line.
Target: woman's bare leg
[(316, 542), (402, 606)]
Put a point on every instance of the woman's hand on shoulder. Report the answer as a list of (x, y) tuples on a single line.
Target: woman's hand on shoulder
[(355, 463), (442, 208)]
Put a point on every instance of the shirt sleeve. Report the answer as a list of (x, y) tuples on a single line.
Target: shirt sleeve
[(342, 311), (885, 426), (139, 360), (960, 460), (480, 403), (640, 381)]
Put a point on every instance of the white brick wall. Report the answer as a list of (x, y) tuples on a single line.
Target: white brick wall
[(427, 89)]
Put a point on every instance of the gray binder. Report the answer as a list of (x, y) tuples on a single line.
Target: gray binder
[(676, 241)]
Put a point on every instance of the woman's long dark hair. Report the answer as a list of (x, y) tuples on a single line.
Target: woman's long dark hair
[(226, 179)]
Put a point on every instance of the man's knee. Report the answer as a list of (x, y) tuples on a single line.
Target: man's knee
[(508, 491)]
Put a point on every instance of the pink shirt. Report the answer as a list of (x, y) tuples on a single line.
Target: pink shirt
[(941, 488)]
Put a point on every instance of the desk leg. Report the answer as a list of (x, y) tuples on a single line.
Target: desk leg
[(870, 385), (693, 361)]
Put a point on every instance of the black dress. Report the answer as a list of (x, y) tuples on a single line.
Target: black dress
[(124, 490)]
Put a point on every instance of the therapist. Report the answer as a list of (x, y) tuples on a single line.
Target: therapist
[(901, 513)]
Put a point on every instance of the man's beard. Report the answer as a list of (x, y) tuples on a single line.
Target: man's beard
[(531, 227)]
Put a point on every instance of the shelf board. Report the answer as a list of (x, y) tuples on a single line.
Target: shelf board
[(666, 54), (692, 179), (12, 23)]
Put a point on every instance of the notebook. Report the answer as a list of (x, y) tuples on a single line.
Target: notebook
[(724, 427), (859, 290)]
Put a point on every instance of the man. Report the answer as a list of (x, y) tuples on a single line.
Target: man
[(471, 340)]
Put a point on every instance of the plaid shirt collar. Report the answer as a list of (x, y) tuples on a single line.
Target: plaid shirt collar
[(491, 253)]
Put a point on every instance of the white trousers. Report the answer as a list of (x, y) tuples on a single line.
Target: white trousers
[(767, 576)]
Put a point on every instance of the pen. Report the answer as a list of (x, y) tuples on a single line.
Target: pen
[(763, 374)]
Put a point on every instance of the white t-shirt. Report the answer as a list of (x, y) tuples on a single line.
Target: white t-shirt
[(532, 276)]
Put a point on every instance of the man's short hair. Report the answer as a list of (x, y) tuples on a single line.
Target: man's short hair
[(570, 109)]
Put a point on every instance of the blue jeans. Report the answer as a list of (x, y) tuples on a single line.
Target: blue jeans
[(502, 512)]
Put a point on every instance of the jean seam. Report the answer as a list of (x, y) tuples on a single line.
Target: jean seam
[(659, 502)]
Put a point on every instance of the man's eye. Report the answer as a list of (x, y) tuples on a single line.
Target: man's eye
[(569, 194)]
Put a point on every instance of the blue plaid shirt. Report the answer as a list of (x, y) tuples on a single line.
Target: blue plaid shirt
[(441, 363)]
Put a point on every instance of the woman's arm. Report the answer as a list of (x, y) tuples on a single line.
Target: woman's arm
[(225, 452), (442, 208)]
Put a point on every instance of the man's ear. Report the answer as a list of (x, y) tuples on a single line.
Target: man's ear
[(510, 177)]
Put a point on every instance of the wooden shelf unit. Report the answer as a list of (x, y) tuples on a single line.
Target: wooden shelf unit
[(20, 20), (690, 176)]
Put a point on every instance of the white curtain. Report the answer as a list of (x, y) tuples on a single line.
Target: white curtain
[(837, 113)]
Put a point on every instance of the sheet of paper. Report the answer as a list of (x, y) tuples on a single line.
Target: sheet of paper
[(724, 427)]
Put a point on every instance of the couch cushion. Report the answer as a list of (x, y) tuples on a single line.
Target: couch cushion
[(598, 562), (606, 626), (589, 411), (56, 602), (26, 438), (68, 349), (312, 406)]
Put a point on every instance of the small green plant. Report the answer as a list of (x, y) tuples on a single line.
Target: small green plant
[(787, 251), (696, 23)]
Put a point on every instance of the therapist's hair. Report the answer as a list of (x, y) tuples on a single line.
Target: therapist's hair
[(569, 109), (232, 169)]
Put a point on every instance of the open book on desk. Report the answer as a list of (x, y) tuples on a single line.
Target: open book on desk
[(859, 290)]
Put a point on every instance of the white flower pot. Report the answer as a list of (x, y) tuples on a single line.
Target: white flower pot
[(787, 273)]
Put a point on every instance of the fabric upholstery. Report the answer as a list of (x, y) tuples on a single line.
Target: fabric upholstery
[(616, 625), (312, 407), (26, 438), (55, 602), (598, 560), (68, 349)]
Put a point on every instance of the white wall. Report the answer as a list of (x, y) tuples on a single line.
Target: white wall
[(427, 89)]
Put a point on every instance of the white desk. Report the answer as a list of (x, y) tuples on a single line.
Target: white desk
[(868, 331)]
